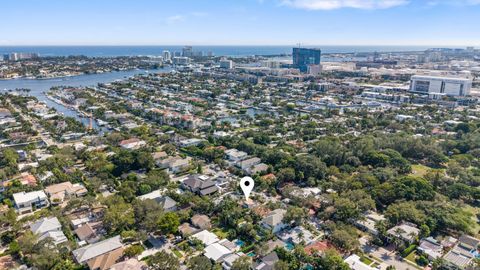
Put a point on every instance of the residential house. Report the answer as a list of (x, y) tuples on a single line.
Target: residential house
[(406, 231), (199, 184), (26, 201), (101, 255), (367, 223), (58, 192), (430, 247), (258, 168), (130, 264), (168, 204), (235, 155), (186, 229), (87, 233), (228, 261), (463, 253), (267, 262), (206, 237), (274, 220), (49, 228), (201, 221), (190, 142), (247, 164), (317, 247), (174, 164), (132, 144), (216, 251), (356, 263), (296, 236)]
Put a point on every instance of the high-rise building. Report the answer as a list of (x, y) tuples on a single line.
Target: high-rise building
[(436, 87), (181, 60), (304, 57), (20, 56), (167, 56), (187, 51), (225, 63)]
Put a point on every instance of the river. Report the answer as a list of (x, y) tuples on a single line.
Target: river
[(38, 87)]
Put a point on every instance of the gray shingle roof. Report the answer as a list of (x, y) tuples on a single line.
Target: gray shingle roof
[(91, 251)]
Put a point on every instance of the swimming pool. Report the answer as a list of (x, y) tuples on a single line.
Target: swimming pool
[(239, 243), (289, 246)]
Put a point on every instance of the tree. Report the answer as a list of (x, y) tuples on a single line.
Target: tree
[(164, 261), (345, 238), (133, 251), (147, 214), (295, 214), (331, 260), (199, 262), (280, 265), (168, 223), (119, 215), (242, 263), (424, 231)]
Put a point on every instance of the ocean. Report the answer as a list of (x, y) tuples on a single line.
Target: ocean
[(112, 51)]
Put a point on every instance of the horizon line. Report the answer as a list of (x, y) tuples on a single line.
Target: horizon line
[(231, 45)]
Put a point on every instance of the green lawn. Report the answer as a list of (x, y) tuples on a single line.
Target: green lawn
[(220, 233), (177, 253), (419, 170), (366, 260), (474, 211)]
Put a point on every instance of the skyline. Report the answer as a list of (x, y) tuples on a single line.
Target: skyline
[(241, 23)]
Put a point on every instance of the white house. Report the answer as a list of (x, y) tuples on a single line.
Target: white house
[(25, 201), (132, 144), (356, 264), (206, 237), (235, 155), (274, 220), (49, 228)]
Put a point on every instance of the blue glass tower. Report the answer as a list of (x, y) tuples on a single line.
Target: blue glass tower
[(304, 57)]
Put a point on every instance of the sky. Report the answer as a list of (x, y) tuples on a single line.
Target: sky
[(240, 22)]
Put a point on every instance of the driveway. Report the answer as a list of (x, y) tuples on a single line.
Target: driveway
[(158, 245), (387, 256)]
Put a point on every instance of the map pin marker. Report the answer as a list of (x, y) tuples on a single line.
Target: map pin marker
[(246, 183)]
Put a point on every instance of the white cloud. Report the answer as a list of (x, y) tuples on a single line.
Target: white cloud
[(175, 19), (336, 4), (454, 2)]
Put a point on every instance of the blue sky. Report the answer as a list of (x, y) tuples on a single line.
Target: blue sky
[(240, 22)]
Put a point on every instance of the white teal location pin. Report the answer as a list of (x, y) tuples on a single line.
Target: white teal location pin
[(246, 183)]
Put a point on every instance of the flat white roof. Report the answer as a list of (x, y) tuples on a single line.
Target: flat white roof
[(23, 197), (430, 77)]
